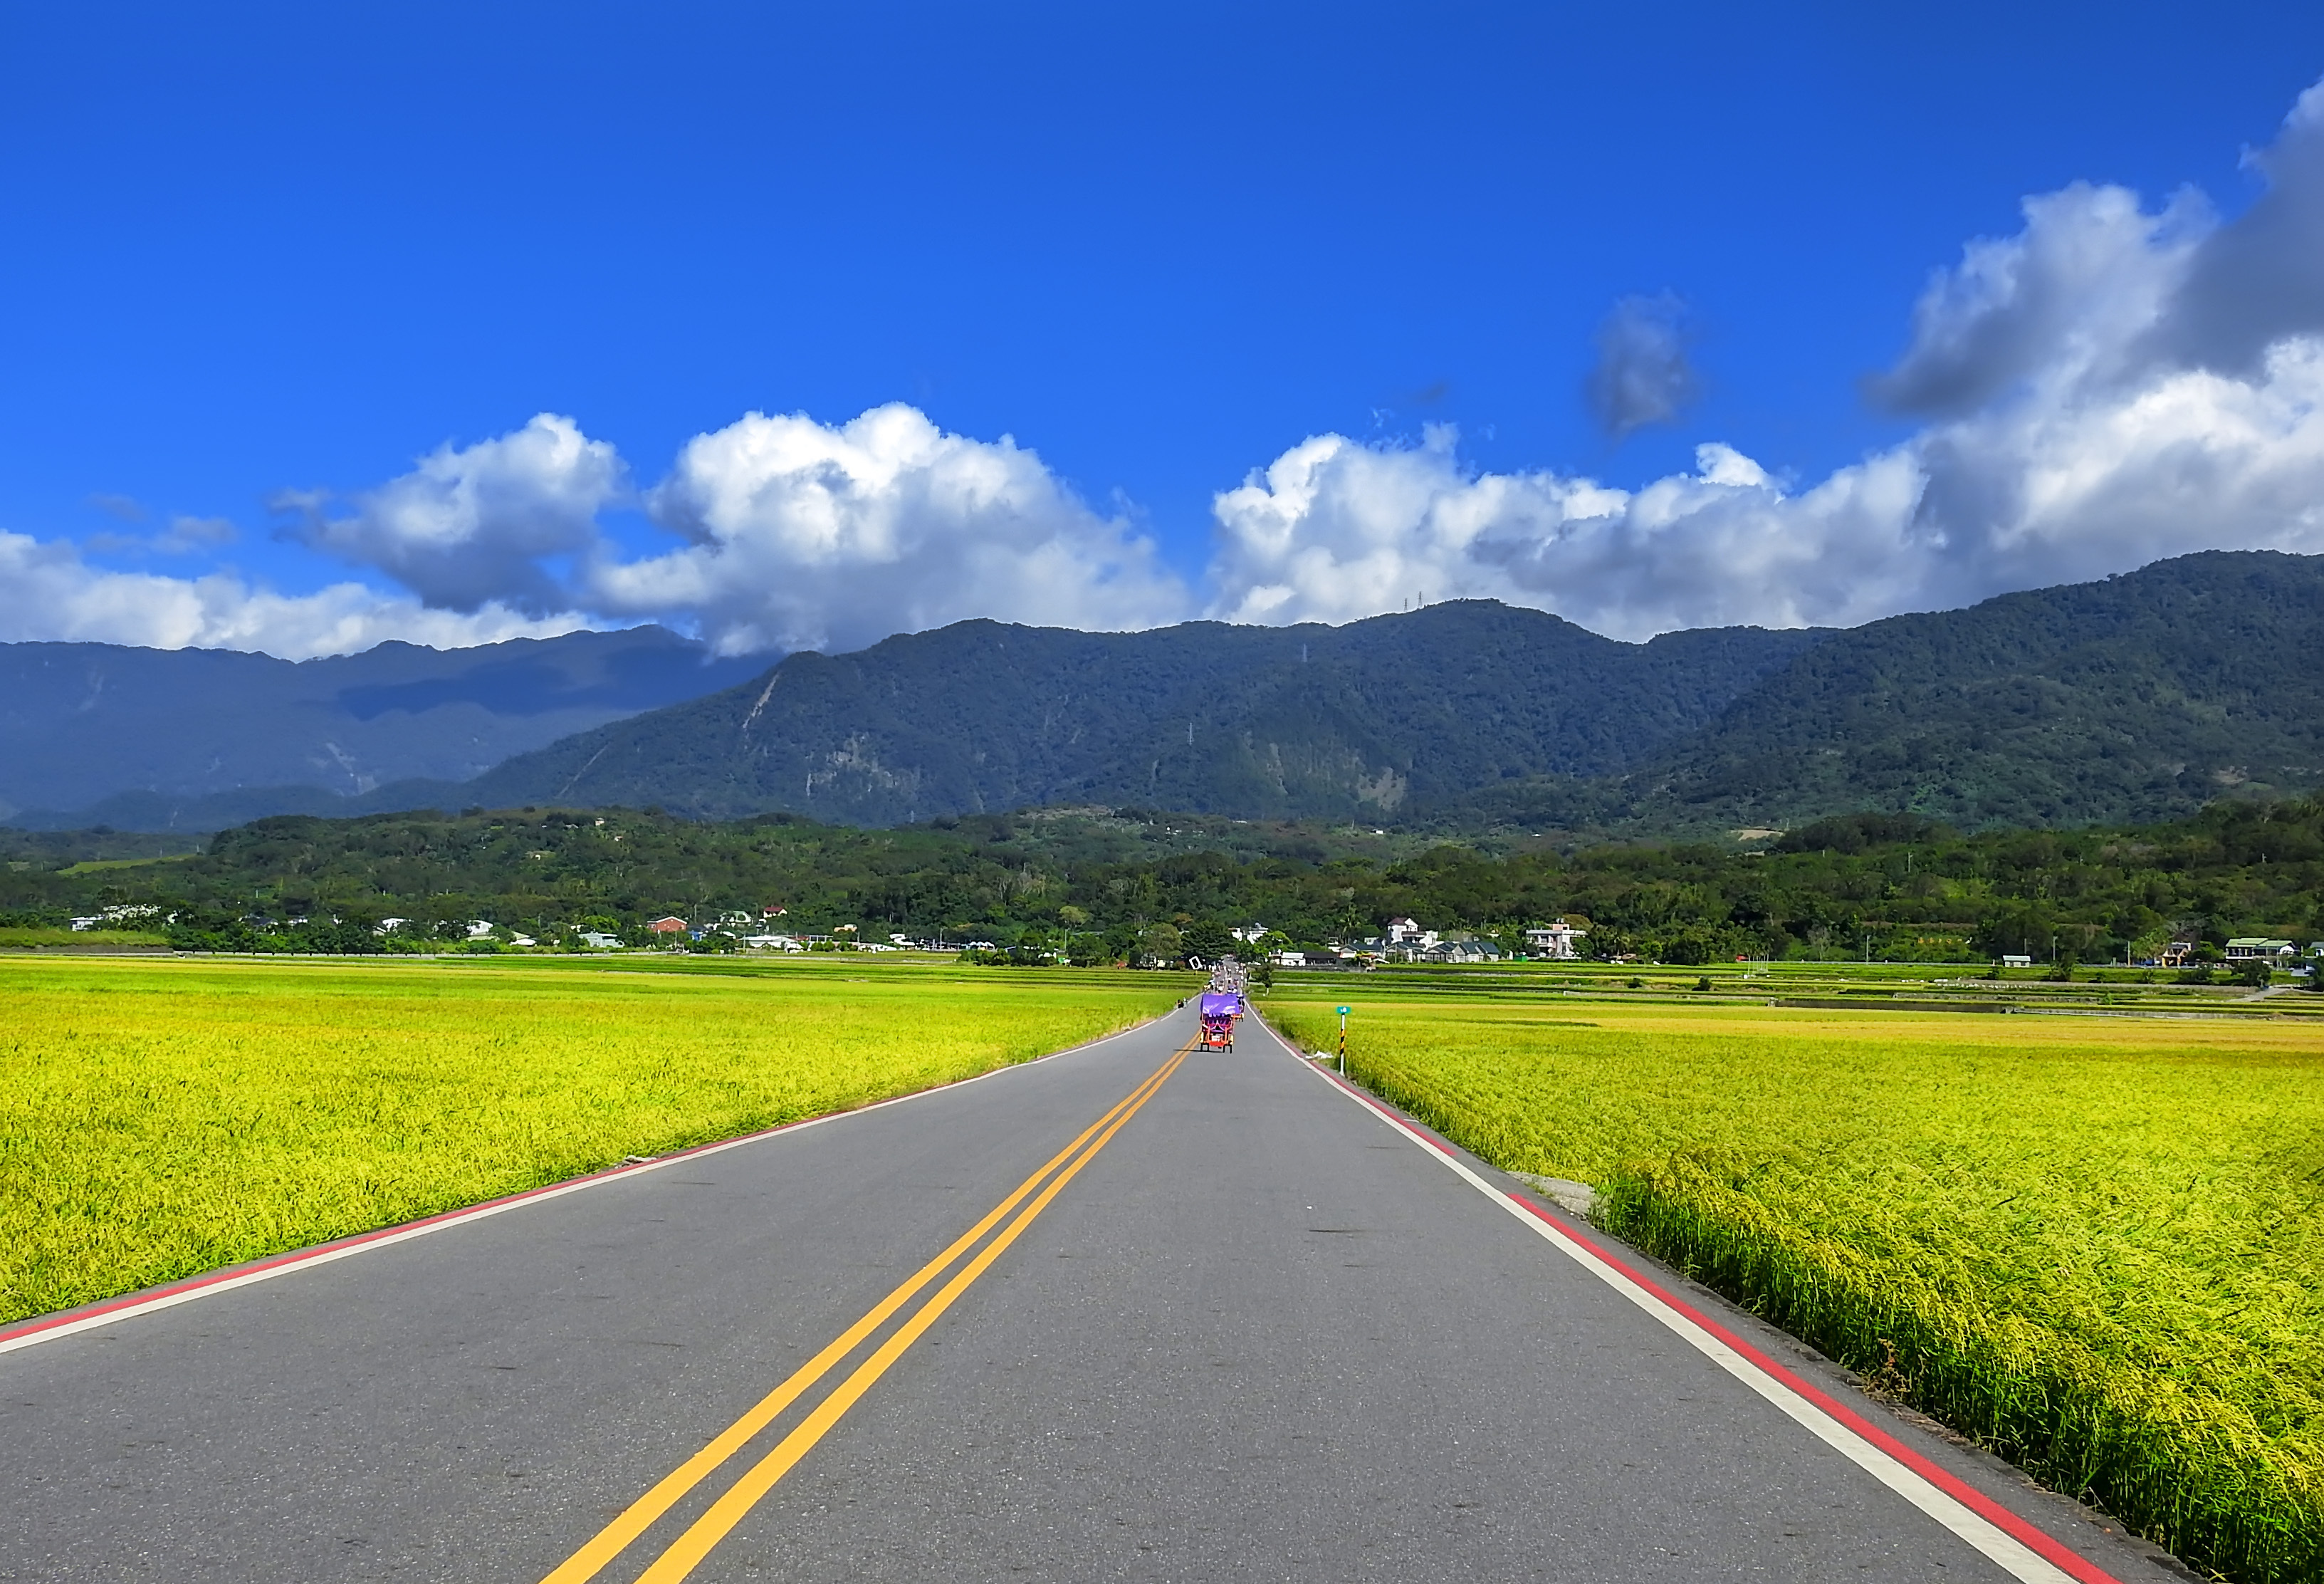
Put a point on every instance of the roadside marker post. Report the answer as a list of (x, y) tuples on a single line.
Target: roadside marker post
[(1343, 1041)]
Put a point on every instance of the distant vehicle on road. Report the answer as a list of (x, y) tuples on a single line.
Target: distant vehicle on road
[(1220, 1010)]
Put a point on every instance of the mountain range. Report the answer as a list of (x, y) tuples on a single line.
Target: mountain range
[(2141, 697), (1372, 721), (2138, 697), (202, 738)]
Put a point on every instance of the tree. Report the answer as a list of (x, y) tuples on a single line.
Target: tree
[(1689, 948), (2025, 930), (1207, 940), (1162, 944)]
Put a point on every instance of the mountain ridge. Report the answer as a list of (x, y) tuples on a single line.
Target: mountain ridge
[(1355, 721), (2136, 698), (151, 733)]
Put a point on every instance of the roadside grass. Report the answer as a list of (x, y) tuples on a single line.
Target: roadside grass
[(2096, 1247), (161, 1118)]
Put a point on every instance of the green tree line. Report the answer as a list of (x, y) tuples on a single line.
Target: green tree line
[(1890, 887)]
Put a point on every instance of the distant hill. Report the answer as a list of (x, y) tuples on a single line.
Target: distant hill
[(2139, 697), (1372, 721), (99, 733), (2133, 700), (2136, 698)]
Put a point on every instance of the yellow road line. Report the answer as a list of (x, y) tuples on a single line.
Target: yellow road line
[(688, 1551), (639, 1516)]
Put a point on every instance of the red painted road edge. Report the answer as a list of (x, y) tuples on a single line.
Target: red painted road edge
[(2041, 1544)]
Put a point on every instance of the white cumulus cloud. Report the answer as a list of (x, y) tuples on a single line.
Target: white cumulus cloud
[(787, 533), (799, 534), (2110, 386), (475, 526), (49, 594), (2114, 383)]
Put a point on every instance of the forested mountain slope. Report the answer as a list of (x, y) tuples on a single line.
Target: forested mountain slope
[(1372, 720), (2138, 697)]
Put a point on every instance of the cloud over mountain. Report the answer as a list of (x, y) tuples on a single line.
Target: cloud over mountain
[(49, 593), (477, 526), (802, 535), (792, 535), (2110, 386)]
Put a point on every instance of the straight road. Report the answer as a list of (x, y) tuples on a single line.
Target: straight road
[(1136, 1311)]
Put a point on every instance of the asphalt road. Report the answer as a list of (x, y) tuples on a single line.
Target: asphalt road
[(1261, 1333)]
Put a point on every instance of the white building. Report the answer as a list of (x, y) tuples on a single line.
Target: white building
[(1558, 942)]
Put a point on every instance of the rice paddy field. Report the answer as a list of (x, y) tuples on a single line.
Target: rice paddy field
[(163, 1117), (2094, 1243)]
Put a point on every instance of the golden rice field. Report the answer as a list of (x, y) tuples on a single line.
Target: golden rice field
[(157, 1119), (2097, 1246)]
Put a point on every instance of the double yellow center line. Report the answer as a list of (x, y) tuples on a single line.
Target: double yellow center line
[(686, 1552)]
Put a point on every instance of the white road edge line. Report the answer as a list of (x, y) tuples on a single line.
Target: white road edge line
[(2004, 1549), (296, 1260)]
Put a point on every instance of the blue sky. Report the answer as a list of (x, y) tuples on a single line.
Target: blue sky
[(258, 249)]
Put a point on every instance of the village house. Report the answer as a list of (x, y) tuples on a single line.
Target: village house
[(1557, 941), (671, 925), (1404, 940), (2260, 948), (1329, 958), (1460, 946)]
